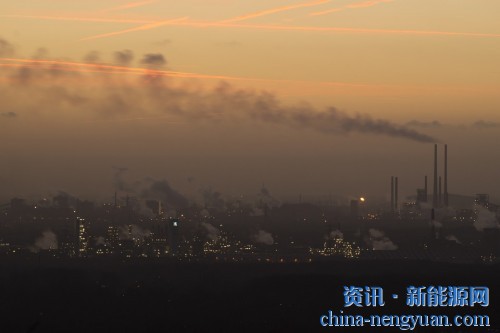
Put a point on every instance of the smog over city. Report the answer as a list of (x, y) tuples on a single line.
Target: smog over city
[(216, 165)]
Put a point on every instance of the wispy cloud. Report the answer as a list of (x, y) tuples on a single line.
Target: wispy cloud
[(148, 26), (275, 10), (357, 5)]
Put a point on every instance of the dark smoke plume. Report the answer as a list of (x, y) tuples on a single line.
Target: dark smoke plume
[(333, 121), (123, 58), (161, 190), (482, 124), (154, 59), (6, 48), (119, 182), (8, 114), (157, 96), (92, 57), (425, 124)]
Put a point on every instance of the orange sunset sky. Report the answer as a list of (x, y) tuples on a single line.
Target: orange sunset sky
[(312, 97)]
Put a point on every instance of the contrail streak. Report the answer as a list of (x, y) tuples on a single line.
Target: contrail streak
[(128, 70), (66, 66), (65, 69), (274, 10), (336, 29), (235, 19), (113, 69), (200, 24), (80, 19), (170, 121), (363, 4), (141, 28), (367, 3), (129, 6)]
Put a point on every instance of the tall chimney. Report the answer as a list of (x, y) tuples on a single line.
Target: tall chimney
[(396, 194), (440, 192), (446, 176), (425, 187), (392, 194), (435, 192)]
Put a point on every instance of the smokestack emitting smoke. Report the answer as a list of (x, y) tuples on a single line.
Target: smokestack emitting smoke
[(435, 192), (446, 176)]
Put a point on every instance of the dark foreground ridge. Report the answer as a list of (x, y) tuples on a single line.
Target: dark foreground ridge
[(162, 296)]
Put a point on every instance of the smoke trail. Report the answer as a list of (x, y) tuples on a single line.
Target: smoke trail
[(133, 232), (8, 114), (482, 124), (47, 241), (154, 60), (100, 240), (263, 237), (266, 108), (335, 234), (453, 238), (486, 219), (123, 58), (212, 232), (119, 182), (162, 190), (212, 198), (6, 48), (161, 98), (379, 241), (334, 121)]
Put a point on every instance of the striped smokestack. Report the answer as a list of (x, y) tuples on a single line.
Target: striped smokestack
[(445, 196), (435, 192)]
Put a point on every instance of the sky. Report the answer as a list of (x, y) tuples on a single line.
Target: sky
[(315, 97)]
